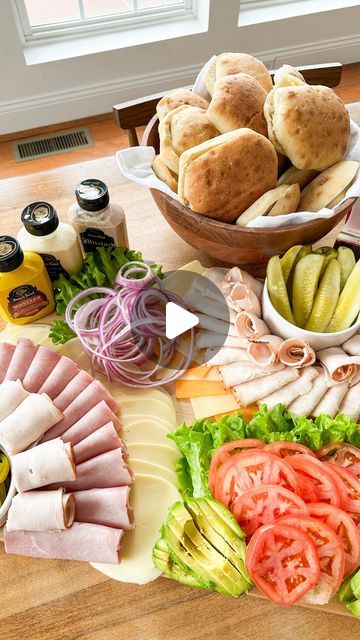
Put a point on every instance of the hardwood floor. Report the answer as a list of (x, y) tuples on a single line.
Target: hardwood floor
[(108, 138)]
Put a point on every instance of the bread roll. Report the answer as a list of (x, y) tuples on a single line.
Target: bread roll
[(165, 174), (176, 98), (238, 101), (228, 64), (181, 129), (266, 203), (288, 76), (288, 202), (328, 186), (297, 176), (220, 178), (308, 124)]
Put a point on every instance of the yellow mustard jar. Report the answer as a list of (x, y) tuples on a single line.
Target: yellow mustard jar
[(26, 293)]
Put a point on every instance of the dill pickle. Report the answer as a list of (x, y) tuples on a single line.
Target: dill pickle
[(288, 260), (304, 251), (330, 255), (348, 306), (277, 289), (346, 261), (306, 278), (326, 298), (324, 251)]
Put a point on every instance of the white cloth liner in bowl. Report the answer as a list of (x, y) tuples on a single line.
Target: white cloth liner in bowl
[(135, 165)]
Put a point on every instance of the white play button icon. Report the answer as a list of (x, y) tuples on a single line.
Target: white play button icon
[(178, 320)]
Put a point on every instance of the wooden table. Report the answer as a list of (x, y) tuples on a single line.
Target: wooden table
[(53, 600)]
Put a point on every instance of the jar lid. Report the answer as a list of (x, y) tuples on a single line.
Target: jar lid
[(40, 218), (92, 194), (11, 254)]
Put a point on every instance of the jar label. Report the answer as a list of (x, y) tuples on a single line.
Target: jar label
[(53, 266), (26, 301), (92, 238)]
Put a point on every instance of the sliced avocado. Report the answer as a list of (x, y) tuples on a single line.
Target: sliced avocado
[(345, 593), (215, 530), (355, 585), (163, 561), (226, 515), (354, 607)]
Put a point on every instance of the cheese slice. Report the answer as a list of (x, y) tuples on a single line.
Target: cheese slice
[(151, 497), (246, 412), (129, 418), (209, 406), (159, 454), (143, 466), (146, 431), (198, 388)]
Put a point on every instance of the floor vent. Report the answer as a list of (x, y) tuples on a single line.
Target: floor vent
[(51, 144)]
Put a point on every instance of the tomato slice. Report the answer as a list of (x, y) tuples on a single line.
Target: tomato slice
[(283, 563), (344, 527), (326, 483), (225, 452), (264, 505), (307, 490), (246, 470), (285, 449), (351, 485), (330, 553), (343, 455)]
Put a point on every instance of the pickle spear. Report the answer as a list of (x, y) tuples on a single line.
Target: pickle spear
[(277, 289), (348, 306), (330, 255), (306, 278), (326, 298), (304, 251), (288, 260), (346, 261)]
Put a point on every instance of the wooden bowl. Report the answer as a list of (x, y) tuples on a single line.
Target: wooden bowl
[(246, 247)]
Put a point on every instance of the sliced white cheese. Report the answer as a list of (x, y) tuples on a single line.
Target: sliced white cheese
[(143, 466), (38, 333), (208, 406), (160, 454), (151, 498), (146, 431), (129, 418), (151, 408)]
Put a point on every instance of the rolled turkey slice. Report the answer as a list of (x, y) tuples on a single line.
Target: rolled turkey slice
[(41, 511), (108, 506), (86, 400), (241, 298), (338, 365), (226, 355), (72, 390), (265, 350), (330, 403), (97, 417), (103, 440), (35, 416), (44, 464), (287, 394), (6, 354), (252, 391), (352, 346), (106, 470), (351, 403), (239, 372), (216, 325), (12, 393), (216, 308), (23, 356), (236, 275), (63, 372), (205, 339), (296, 353), (305, 404), (249, 326), (40, 368), (216, 276), (83, 541)]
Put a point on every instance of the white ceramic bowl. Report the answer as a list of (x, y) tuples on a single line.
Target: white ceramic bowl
[(281, 327), (10, 494)]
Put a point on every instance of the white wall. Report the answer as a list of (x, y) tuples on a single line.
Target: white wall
[(42, 94)]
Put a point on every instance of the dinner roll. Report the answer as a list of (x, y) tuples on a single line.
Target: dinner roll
[(181, 129), (176, 98), (308, 124), (165, 174), (327, 187), (238, 101), (288, 76), (228, 64), (222, 177)]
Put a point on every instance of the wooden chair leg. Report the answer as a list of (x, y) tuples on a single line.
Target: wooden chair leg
[(132, 137)]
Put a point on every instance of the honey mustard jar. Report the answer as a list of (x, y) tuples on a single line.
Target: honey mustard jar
[(26, 293)]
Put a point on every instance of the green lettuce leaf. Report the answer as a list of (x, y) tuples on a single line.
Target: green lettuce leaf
[(60, 332)]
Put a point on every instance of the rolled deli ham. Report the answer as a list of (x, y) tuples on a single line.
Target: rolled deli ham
[(249, 326), (41, 511), (6, 353), (330, 403), (63, 372), (254, 390), (108, 506), (235, 276), (97, 417), (106, 470), (339, 366), (12, 393), (352, 346), (23, 355), (265, 350), (72, 390), (305, 404), (28, 422), (351, 403), (299, 387), (241, 298), (40, 368), (294, 352), (83, 541), (47, 463), (239, 372), (103, 440)]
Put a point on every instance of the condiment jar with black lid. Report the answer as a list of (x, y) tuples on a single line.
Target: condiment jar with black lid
[(55, 241), (26, 293), (97, 222)]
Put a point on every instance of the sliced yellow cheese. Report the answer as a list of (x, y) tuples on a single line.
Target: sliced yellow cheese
[(143, 466), (201, 372), (151, 497), (209, 406), (180, 281), (198, 388), (160, 454)]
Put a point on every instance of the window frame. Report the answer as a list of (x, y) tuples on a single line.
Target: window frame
[(108, 23)]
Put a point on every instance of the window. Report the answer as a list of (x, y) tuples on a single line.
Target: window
[(259, 11), (61, 18)]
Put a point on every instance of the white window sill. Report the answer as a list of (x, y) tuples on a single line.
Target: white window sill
[(267, 11), (62, 49)]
